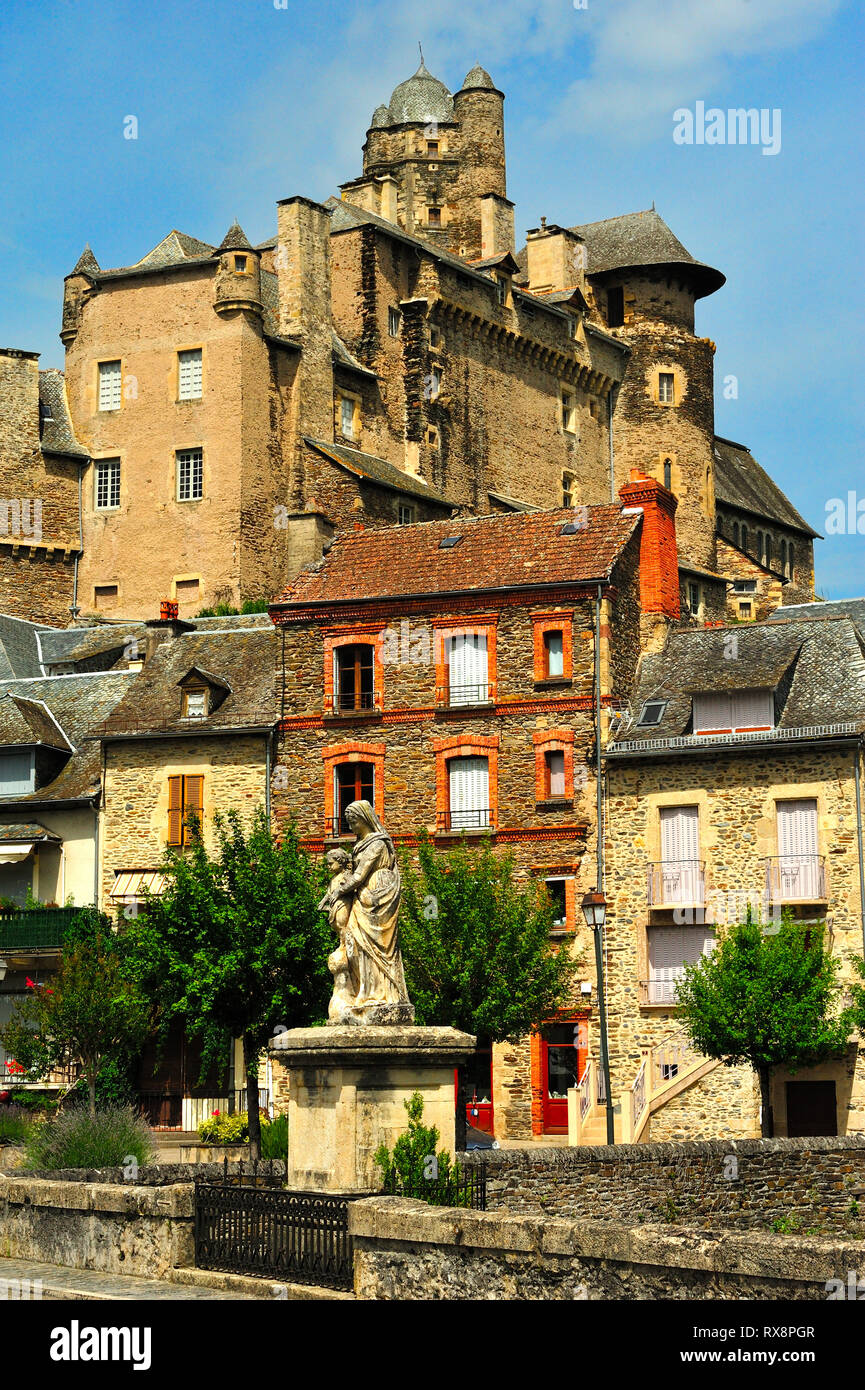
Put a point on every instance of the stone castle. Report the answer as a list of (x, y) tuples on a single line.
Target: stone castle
[(387, 357)]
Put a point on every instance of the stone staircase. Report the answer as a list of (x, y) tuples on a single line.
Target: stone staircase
[(666, 1070)]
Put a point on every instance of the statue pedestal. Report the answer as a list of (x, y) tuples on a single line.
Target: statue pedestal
[(346, 1091)]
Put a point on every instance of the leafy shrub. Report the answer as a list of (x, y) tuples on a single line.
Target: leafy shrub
[(115, 1084), (34, 1101), (414, 1169), (15, 1124), (223, 1128), (74, 1139), (274, 1137)]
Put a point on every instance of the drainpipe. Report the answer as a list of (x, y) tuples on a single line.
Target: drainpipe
[(599, 812), (74, 610), (267, 759), (610, 432), (859, 840)]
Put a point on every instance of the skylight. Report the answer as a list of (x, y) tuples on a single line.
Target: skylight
[(652, 713), (449, 542)]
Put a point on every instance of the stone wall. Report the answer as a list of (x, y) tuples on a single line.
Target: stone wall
[(405, 1250), (715, 1185)]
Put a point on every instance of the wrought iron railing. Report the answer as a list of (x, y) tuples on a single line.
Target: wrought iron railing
[(479, 819), (266, 1231), (584, 1091), (349, 701), (676, 881), (335, 827), (639, 1097), (477, 694), (671, 1059), (658, 991), (35, 928), (808, 731), (796, 878)]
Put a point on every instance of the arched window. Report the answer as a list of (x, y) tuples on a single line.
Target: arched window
[(760, 539), (767, 552), (735, 533), (790, 558), (783, 557), (744, 536)]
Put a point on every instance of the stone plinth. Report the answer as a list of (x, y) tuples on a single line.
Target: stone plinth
[(347, 1086)]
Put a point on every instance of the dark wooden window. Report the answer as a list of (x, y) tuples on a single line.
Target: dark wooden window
[(354, 782), (616, 306), (355, 676)]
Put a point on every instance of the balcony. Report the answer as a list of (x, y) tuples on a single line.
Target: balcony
[(677, 883), (658, 992), (455, 821), (796, 878), (458, 696), (41, 928), (354, 702)]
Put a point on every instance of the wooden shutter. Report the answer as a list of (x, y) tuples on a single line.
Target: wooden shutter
[(175, 810), (753, 709), (193, 800)]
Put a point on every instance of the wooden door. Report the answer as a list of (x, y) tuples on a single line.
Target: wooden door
[(562, 1065), (812, 1109)]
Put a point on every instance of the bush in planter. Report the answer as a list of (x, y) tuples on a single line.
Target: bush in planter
[(223, 1128), (75, 1139)]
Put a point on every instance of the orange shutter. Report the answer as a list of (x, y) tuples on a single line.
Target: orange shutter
[(193, 800), (175, 810)]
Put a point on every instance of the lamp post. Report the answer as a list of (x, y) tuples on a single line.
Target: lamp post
[(594, 907)]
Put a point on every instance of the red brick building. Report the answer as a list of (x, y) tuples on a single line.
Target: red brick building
[(445, 672)]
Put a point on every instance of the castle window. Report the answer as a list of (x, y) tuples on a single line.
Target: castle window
[(240, 265), (432, 437), (790, 559), (760, 547), (190, 475), (394, 318), (189, 375), (107, 481), (784, 569), (666, 388), (434, 382), (668, 473), (432, 149), (348, 419), (744, 536), (767, 549), (735, 533), (104, 595), (435, 337), (568, 489), (109, 385), (572, 326), (501, 290), (569, 412), (434, 217), (405, 514), (695, 600), (615, 306)]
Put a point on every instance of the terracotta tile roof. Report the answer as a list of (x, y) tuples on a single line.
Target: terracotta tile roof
[(493, 552)]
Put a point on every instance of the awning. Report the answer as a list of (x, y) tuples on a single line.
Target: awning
[(130, 884), (13, 854)]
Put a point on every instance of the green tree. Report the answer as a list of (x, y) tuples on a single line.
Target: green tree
[(476, 947), (766, 996), (91, 1014), (235, 947)]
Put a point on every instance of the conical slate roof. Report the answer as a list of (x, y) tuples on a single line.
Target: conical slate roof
[(380, 117), (421, 98), (235, 239), (479, 77), (86, 261)]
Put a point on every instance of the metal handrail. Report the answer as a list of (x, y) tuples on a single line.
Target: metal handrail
[(481, 818), (796, 878), (584, 1091), (477, 694), (699, 740), (639, 1097), (676, 881)]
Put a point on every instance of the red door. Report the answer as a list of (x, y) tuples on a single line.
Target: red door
[(562, 1065), (479, 1109)]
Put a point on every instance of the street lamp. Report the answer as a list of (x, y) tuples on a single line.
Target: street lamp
[(594, 907)]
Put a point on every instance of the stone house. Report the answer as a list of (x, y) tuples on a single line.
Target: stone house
[(732, 782), (445, 672)]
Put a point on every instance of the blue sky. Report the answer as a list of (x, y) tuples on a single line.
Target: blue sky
[(241, 102)]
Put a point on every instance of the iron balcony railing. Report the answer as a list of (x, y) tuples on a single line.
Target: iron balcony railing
[(479, 819), (676, 881), (35, 928), (463, 694), (658, 991), (806, 731), (350, 701), (796, 878)]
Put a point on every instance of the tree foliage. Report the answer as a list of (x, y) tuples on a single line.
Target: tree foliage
[(476, 943), (92, 1013), (235, 947), (768, 997)]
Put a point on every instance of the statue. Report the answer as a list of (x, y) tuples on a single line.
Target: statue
[(362, 904)]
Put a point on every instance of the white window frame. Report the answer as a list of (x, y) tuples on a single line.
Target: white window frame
[(468, 661), (469, 784), (197, 696), (110, 384), (348, 407), (559, 878), (189, 382), (189, 464), (549, 654), (106, 483), (568, 403), (666, 388), (405, 514)]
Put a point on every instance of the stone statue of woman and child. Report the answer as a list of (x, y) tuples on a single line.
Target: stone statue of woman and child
[(362, 904)]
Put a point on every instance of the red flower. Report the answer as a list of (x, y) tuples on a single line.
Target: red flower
[(215, 1112)]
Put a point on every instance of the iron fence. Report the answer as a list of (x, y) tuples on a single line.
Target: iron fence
[(467, 1189)]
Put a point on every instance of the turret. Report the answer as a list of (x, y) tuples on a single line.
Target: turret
[(238, 278)]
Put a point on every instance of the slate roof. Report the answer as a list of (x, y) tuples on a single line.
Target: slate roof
[(14, 831), (235, 239), (245, 659), (421, 97), (378, 471), (740, 482), (852, 608), (57, 433), (20, 647), (79, 704), (478, 77), (639, 239), (101, 646), (177, 248), (801, 660), (29, 723), (494, 552)]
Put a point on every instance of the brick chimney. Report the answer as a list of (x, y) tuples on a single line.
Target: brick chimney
[(659, 559)]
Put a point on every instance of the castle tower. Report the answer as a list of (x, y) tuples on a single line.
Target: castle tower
[(237, 286), (435, 164)]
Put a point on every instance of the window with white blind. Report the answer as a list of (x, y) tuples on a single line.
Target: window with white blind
[(109, 385), (189, 375), (680, 877), (799, 865), (666, 388), (554, 653), (107, 484), (734, 711), (555, 773), (670, 949), (190, 475), (347, 417), (469, 793), (468, 669)]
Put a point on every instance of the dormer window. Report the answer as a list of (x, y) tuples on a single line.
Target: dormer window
[(195, 702), (17, 773), (734, 712)]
